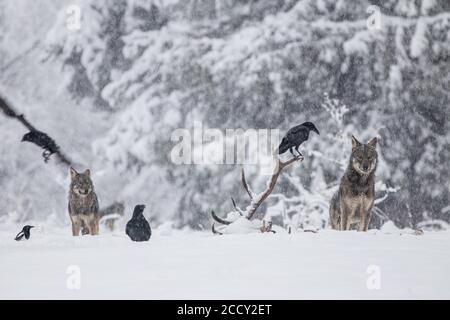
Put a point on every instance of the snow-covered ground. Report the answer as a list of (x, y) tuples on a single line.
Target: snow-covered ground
[(198, 265)]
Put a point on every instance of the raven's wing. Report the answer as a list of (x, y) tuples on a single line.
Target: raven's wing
[(129, 229), (298, 135), (137, 231), (288, 140), (284, 145), (39, 138), (19, 236), (144, 228), (148, 230), (295, 129), (45, 141), (290, 135)]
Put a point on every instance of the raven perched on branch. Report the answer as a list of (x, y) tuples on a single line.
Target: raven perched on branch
[(42, 140), (295, 137), (35, 136)]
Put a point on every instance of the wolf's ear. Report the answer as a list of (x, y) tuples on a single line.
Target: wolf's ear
[(355, 142), (87, 172), (373, 142), (73, 173)]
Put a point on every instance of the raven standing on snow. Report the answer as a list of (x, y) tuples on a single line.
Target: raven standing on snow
[(138, 229), (24, 233), (295, 137), (42, 140)]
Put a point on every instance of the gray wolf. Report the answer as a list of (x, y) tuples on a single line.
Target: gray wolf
[(353, 202), (83, 204)]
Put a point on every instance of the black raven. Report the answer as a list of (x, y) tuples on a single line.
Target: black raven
[(42, 140), (138, 229), (24, 233), (295, 137)]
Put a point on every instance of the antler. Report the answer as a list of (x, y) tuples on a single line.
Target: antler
[(257, 199)]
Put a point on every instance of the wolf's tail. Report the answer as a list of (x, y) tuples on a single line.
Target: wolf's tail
[(117, 208), (335, 214)]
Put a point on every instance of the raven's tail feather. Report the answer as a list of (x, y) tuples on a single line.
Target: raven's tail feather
[(19, 236), (284, 146)]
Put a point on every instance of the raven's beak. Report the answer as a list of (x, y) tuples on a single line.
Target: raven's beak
[(316, 131)]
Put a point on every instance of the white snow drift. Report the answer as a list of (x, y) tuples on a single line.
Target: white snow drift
[(197, 265)]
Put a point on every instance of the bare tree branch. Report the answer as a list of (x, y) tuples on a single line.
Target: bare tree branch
[(10, 63)]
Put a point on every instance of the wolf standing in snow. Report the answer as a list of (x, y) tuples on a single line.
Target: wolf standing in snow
[(83, 203), (354, 201)]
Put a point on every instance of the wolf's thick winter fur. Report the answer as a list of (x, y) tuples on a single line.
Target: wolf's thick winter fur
[(354, 201), (83, 203)]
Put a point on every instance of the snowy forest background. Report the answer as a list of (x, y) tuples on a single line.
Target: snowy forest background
[(112, 93)]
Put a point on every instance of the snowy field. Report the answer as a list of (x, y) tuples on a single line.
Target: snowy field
[(199, 265)]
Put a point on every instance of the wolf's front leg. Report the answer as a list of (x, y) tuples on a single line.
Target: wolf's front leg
[(347, 213), (364, 224), (344, 217), (93, 228), (366, 214), (97, 228), (76, 227), (349, 223)]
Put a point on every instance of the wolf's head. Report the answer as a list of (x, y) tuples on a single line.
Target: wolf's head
[(81, 183), (364, 157)]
